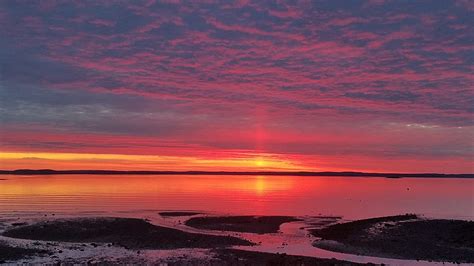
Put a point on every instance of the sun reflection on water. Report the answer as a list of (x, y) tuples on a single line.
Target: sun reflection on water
[(260, 185), (274, 195)]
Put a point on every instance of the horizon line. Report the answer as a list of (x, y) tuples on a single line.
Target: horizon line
[(263, 172)]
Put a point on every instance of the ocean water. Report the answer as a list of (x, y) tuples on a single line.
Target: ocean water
[(349, 197)]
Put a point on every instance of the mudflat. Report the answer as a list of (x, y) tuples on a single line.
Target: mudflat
[(250, 224), (403, 237), (9, 252), (127, 232), (242, 257)]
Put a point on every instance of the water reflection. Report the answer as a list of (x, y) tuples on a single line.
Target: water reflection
[(265, 195)]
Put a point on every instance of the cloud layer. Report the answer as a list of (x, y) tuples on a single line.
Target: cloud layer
[(318, 82)]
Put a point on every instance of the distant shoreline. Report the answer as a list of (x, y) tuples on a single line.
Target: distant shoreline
[(267, 173)]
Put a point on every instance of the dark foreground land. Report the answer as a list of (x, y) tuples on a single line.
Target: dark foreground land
[(242, 257), (10, 252), (221, 257), (138, 234), (403, 236), (250, 224), (127, 232)]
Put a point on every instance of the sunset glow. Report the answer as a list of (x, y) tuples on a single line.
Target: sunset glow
[(170, 132), (314, 86), (79, 161)]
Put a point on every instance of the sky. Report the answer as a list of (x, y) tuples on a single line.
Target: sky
[(249, 85)]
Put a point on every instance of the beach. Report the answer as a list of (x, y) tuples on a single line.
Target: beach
[(191, 238)]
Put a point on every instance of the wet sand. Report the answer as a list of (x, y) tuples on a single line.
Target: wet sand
[(126, 232), (248, 224), (9, 252), (403, 237), (133, 239), (242, 257), (137, 241)]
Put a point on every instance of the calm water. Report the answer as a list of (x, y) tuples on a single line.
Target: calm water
[(350, 197)]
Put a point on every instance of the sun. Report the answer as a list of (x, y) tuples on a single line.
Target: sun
[(260, 162)]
